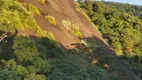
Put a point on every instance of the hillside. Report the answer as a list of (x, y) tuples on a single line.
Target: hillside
[(63, 11), (54, 40), (133, 10), (120, 29)]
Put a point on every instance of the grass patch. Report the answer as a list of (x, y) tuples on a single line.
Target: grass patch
[(50, 19), (72, 27)]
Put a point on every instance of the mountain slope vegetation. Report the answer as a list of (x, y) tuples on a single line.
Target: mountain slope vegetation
[(121, 26), (133, 10), (39, 56), (55, 40)]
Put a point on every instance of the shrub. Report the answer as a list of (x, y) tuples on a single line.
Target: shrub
[(34, 76), (48, 34), (41, 65), (24, 49), (48, 48), (72, 27), (8, 75), (14, 16), (85, 15), (32, 8), (50, 19), (41, 1), (72, 68)]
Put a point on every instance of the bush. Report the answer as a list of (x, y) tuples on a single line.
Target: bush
[(48, 48), (72, 27), (72, 68), (34, 76), (41, 1), (8, 75), (41, 65), (85, 15), (14, 16), (50, 19), (48, 34), (25, 50), (32, 8)]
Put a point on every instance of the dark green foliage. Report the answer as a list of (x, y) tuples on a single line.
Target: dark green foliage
[(41, 65), (133, 10), (33, 62), (8, 75), (74, 67), (49, 48), (35, 77), (27, 60), (25, 50)]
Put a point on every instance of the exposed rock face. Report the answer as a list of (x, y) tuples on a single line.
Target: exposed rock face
[(63, 10), (67, 10)]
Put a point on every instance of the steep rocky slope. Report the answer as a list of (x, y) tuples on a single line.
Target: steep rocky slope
[(67, 10), (63, 10)]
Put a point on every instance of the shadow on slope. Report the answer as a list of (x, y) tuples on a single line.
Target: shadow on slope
[(96, 52), (104, 57)]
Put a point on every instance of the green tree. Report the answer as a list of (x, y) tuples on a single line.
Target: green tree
[(25, 49), (8, 75)]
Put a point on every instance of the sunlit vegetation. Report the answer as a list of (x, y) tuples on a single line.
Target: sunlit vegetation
[(85, 15), (32, 8), (50, 19), (121, 30), (72, 27), (130, 9), (26, 61), (41, 1), (120, 25), (47, 34), (14, 16), (42, 58)]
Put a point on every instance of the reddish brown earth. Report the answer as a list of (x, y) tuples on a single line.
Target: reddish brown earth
[(67, 10), (63, 10)]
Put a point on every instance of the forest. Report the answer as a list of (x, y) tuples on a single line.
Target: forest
[(121, 27), (38, 58), (41, 57)]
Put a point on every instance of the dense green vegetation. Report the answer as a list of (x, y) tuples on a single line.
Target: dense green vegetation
[(73, 68), (121, 26), (40, 57), (44, 59), (14, 16), (122, 31), (133, 10)]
